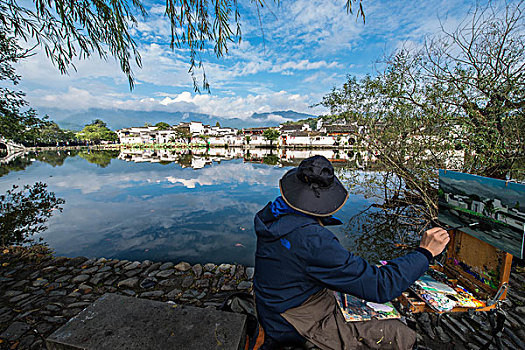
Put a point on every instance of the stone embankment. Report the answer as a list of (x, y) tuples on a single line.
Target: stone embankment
[(40, 292)]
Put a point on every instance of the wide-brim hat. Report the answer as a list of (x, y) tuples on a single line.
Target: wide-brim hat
[(312, 188)]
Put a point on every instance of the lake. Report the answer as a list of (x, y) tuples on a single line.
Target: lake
[(173, 205)]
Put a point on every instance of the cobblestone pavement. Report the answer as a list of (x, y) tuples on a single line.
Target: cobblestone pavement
[(39, 293)]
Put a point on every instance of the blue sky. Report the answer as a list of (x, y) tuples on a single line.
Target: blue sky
[(309, 47)]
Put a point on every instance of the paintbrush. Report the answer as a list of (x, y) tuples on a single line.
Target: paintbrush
[(461, 226), (405, 246)]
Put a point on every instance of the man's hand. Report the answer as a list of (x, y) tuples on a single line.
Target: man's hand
[(435, 240)]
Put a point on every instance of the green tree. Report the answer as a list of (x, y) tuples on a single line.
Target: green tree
[(271, 135), (15, 123), (162, 126), (183, 133), (218, 124), (97, 131), (51, 134), (457, 103), (23, 212)]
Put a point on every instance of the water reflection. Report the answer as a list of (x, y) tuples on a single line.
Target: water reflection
[(24, 212), (199, 158), (193, 205)]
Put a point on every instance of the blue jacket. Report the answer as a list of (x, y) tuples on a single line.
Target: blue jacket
[(296, 257)]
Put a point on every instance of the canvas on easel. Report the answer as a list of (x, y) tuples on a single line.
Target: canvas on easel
[(486, 222), (495, 208)]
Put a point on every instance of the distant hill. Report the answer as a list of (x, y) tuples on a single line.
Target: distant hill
[(119, 118)]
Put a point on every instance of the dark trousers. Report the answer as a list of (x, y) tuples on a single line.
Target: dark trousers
[(320, 321)]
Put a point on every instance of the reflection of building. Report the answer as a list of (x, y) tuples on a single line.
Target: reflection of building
[(198, 158)]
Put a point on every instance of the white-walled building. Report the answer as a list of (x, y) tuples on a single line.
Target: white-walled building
[(197, 134), (220, 131), (292, 128), (167, 136), (137, 135), (196, 128)]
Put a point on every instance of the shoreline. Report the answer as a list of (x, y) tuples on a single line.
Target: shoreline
[(40, 292), (184, 146)]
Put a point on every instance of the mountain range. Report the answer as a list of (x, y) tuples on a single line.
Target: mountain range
[(119, 118)]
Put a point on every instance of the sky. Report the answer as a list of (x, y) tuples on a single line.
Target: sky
[(296, 55)]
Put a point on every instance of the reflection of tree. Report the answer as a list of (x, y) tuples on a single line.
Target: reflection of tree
[(100, 158), (53, 158), (381, 233), (17, 164), (271, 159), (184, 159), (394, 220), (23, 212)]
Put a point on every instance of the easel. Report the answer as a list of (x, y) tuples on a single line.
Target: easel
[(468, 252)]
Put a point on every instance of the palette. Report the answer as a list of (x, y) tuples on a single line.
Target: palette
[(360, 310), (443, 296)]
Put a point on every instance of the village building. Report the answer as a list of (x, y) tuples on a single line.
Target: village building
[(137, 135), (291, 128), (254, 131), (198, 134)]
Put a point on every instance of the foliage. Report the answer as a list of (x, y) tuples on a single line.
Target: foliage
[(15, 123), (162, 126), (218, 124), (183, 133), (69, 29), (457, 103), (51, 134), (23, 212), (312, 122), (97, 131), (271, 135)]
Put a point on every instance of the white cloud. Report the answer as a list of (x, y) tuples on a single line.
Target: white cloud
[(309, 46), (277, 118), (228, 106)]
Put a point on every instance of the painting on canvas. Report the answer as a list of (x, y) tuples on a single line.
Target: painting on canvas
[(497, 206)]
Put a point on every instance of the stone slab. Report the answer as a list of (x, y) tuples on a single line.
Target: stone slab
[(118, 322)]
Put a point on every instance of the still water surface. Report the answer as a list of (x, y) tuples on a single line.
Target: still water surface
[(134, 205)]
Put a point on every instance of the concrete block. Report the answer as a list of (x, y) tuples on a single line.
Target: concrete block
[(118, 322)]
